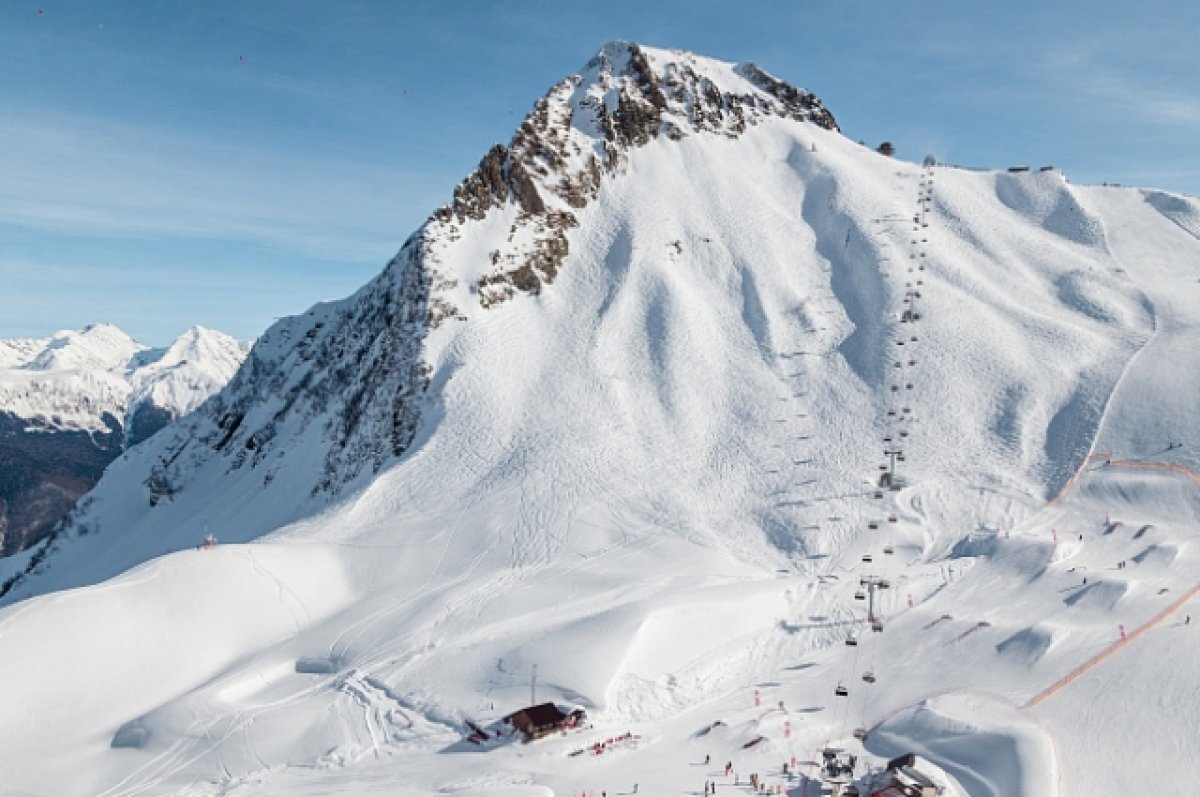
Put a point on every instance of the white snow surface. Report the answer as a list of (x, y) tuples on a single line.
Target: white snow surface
[(655, 481), (72, 379)]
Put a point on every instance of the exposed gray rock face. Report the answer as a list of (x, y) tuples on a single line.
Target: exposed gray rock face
[(626, 97)]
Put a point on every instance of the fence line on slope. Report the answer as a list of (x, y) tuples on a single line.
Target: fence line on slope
[(1169, 467), (1070, 483), (1072, 676)]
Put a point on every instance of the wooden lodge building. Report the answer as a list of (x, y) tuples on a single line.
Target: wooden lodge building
[(542, 720)]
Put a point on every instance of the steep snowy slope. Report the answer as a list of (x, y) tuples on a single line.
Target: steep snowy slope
[(72, 402), (619, 411)]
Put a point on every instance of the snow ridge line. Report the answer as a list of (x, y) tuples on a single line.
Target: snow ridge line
[(1106, 458), (1111, 649)]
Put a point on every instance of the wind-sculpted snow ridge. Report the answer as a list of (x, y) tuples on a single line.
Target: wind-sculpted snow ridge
[(658, 481)]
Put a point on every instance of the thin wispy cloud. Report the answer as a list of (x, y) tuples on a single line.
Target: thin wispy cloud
[(1097, 76), (96, 177)]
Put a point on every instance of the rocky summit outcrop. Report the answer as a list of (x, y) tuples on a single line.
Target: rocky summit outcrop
[(626, 97)]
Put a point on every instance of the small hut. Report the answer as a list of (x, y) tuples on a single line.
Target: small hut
[(905, 780), (542, 720)]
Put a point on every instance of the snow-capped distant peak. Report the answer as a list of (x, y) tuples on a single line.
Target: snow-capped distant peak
[(198, 363), (97, 346), (74, 379)]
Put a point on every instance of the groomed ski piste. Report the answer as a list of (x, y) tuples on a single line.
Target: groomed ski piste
[(656, 481)]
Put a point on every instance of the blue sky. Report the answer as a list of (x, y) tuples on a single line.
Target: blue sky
[(171, 162)]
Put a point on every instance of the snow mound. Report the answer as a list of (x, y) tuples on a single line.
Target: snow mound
[(988, 748), (1098, 595), (1045, 199), (1182, 210), (1027, 645), (1162, 555)]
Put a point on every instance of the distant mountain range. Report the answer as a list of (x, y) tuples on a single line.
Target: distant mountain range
[(72, 402)]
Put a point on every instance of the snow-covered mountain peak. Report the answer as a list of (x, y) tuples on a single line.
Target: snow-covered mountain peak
[(71, 402), (198, 363), (97, 346), (73, 379), (583, 129), (693, 91)]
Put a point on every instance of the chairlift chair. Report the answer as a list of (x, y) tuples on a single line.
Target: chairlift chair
[(893, 519), (840, 691), (859, 595), (887, 549), (866, 558), (869, 677), (874, 524), (851, 642), (861, 735), (877, 625)]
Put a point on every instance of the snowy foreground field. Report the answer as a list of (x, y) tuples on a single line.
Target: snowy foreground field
[(656, 481)]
